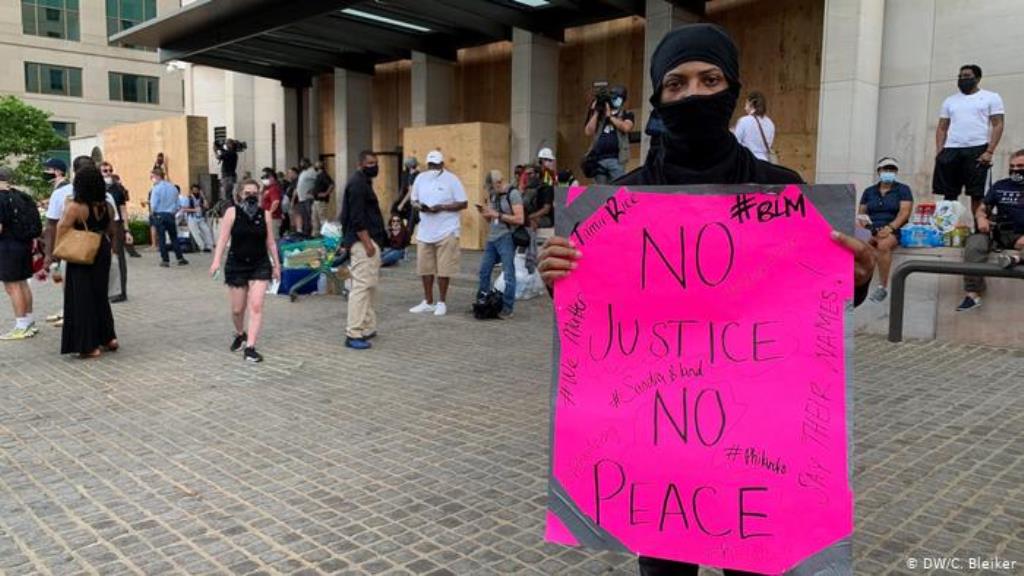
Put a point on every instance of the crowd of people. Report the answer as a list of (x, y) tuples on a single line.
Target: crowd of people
[(696, 80)]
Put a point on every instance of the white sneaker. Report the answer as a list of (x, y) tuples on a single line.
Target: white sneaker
[(422, 307), (440, 309)]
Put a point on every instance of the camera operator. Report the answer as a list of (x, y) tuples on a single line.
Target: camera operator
[(609, 124), (227, 155)]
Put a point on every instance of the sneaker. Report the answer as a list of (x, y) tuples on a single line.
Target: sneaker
[(18, 334), (54, 317), (370, 336), (969, 304), (1006, 260), (506, 315), (118, 299), (422, 307), (182, 262), (357, 343), (879, 294), (239, 340), (59, 323), (440, 309), (165, 264), (33, 328), (251, 355)]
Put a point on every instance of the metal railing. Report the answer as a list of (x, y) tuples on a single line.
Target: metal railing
[(899, 283)]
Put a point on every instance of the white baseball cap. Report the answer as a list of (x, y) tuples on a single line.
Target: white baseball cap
[(435, 157), (546, 154), (887, 162)]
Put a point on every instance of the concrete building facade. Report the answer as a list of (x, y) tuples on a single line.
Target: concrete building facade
[(55, 56)]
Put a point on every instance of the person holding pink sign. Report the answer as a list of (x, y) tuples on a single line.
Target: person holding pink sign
[(695, 74)]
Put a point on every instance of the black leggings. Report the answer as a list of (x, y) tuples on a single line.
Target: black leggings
[(657, 567), (119, 251)]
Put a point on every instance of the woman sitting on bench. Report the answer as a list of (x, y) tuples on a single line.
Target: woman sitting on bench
[(887, 206)]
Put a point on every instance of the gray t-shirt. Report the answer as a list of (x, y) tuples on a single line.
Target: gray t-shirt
[(503, 203)]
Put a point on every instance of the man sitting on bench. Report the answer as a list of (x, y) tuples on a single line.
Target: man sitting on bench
[(1000, 222)]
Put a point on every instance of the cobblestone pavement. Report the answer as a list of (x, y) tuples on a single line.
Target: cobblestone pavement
[(426, 455)]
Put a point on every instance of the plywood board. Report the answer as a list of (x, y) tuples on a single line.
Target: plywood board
[(780, 45), (483, 84), (132, 150), (325, 92), (471, 150), (392, 112)]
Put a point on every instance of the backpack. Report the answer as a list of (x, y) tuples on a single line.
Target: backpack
[(488, 306), (26, 223)]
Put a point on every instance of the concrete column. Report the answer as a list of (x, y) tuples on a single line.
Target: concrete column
[(661, 18), (850, 77), (238, 104), (433, 86), (534, 95), (353, 125), (311, 121), (289, 132)]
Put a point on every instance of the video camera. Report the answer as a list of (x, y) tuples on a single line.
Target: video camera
[(604, 94), (220, 144)]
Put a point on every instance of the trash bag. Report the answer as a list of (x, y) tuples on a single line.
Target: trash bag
[(528, 285)]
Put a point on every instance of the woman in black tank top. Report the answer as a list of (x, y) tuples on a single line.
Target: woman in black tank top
[(251, 263)]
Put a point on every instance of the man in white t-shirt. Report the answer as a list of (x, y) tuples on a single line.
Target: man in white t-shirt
[(439, 196), (970, 127)]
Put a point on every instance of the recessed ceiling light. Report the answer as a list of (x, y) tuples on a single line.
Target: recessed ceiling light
[(533, 3), (385, 20)]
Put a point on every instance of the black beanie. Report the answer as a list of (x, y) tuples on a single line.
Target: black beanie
[(704, 42)]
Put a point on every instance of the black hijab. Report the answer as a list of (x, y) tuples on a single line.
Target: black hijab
[(696, 145)]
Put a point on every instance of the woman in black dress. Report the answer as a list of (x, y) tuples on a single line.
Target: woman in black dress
[(251, 264), (88, 321)]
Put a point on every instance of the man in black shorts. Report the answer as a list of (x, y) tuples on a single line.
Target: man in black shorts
[(964, 141), (15, 260)]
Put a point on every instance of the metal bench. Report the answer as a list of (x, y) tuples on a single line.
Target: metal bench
[(899, 283)]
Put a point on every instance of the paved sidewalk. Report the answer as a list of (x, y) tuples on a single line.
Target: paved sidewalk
[(426, 455)]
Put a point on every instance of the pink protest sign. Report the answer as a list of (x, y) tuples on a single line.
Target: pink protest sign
[(699, 408)]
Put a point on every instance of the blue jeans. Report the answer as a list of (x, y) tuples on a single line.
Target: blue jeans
[(613, 170), (502, 250), (167, 227), (391, 256)]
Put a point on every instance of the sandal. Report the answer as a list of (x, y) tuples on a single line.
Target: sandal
[(112, 346), (90, 355)]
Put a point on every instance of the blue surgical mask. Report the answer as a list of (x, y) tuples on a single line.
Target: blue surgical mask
[(617, 102), (888, 177)]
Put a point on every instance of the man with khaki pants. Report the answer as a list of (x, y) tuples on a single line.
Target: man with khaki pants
[(363, 227), (439, 196)]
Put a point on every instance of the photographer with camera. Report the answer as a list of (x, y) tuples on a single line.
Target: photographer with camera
[(609, 124), (227, 155), (1000, 222)]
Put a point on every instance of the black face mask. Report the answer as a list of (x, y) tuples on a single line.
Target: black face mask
[(251, 205), (967, 85), (49, 176), (1017, 176), (698, 126), (371, 171)]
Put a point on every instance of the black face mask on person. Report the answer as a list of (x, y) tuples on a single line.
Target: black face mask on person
[(251, 205), (371, 171), (967, 85), (698, 125), (1017, 176), (49, 176)]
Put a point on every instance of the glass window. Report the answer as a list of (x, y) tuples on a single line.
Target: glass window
[(65, 130), (133, 88), (124, 14), (50, 18), (58, 80)]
